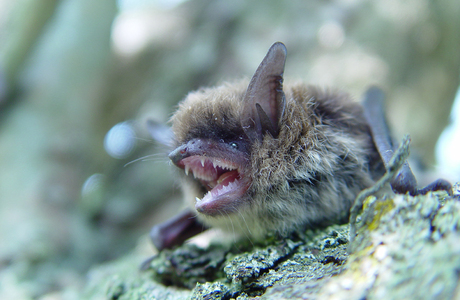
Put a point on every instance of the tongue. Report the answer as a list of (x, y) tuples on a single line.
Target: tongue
[(227, 177), (225, 196)]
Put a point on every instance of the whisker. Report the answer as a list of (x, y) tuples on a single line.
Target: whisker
[(233, 231), (222, 214), (244, 220), (145, 158), (233, 228), (150, 141), (249, 230)]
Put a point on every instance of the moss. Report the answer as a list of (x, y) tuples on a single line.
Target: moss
[(379, 208), (211, 291), (189, 264), (247, 271), (411, 252), (406, 247), (248, 266)]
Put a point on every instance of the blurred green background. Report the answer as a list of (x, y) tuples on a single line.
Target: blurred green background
[(79, 79)]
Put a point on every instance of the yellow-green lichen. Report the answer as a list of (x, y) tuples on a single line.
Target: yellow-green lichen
[(381, 208)]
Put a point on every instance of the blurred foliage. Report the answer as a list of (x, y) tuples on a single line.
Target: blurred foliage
[(70, 70)]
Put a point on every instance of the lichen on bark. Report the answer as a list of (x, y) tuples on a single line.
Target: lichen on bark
[(246, 270), (406, 247)]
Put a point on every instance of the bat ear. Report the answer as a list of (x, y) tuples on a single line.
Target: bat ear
[(160, 132), (264, 101)]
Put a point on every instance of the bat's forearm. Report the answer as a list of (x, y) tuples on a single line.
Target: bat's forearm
[(404, 181), (176, 230)]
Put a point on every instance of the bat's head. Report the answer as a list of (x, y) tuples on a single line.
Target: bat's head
[(213, 148), (256, 162), (215, 130)]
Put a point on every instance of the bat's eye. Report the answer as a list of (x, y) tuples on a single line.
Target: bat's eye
[(234, 145)]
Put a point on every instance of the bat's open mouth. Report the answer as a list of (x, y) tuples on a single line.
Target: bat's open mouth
[(219, 167), (223, 180)]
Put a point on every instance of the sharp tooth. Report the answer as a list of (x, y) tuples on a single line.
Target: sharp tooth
[(187, 169), (214, 163), (202, 161), (197, 199)]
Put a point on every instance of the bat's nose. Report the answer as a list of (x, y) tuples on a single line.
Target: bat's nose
[(179, 153), (192, 147)]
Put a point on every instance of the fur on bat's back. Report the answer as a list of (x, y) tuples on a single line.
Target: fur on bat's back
[(309, 175)]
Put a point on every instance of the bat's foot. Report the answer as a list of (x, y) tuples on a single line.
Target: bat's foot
[(438, 185), (405, 182)]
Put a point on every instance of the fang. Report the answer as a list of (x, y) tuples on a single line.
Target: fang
[(187, 169)]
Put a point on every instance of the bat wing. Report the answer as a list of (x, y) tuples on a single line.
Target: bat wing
[(404, 181)]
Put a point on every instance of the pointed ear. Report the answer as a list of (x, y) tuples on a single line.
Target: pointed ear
[(264, 101)]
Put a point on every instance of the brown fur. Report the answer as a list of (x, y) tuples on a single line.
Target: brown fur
[(309, 175)]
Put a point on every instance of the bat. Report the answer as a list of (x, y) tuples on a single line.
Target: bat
[(260, 156)]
